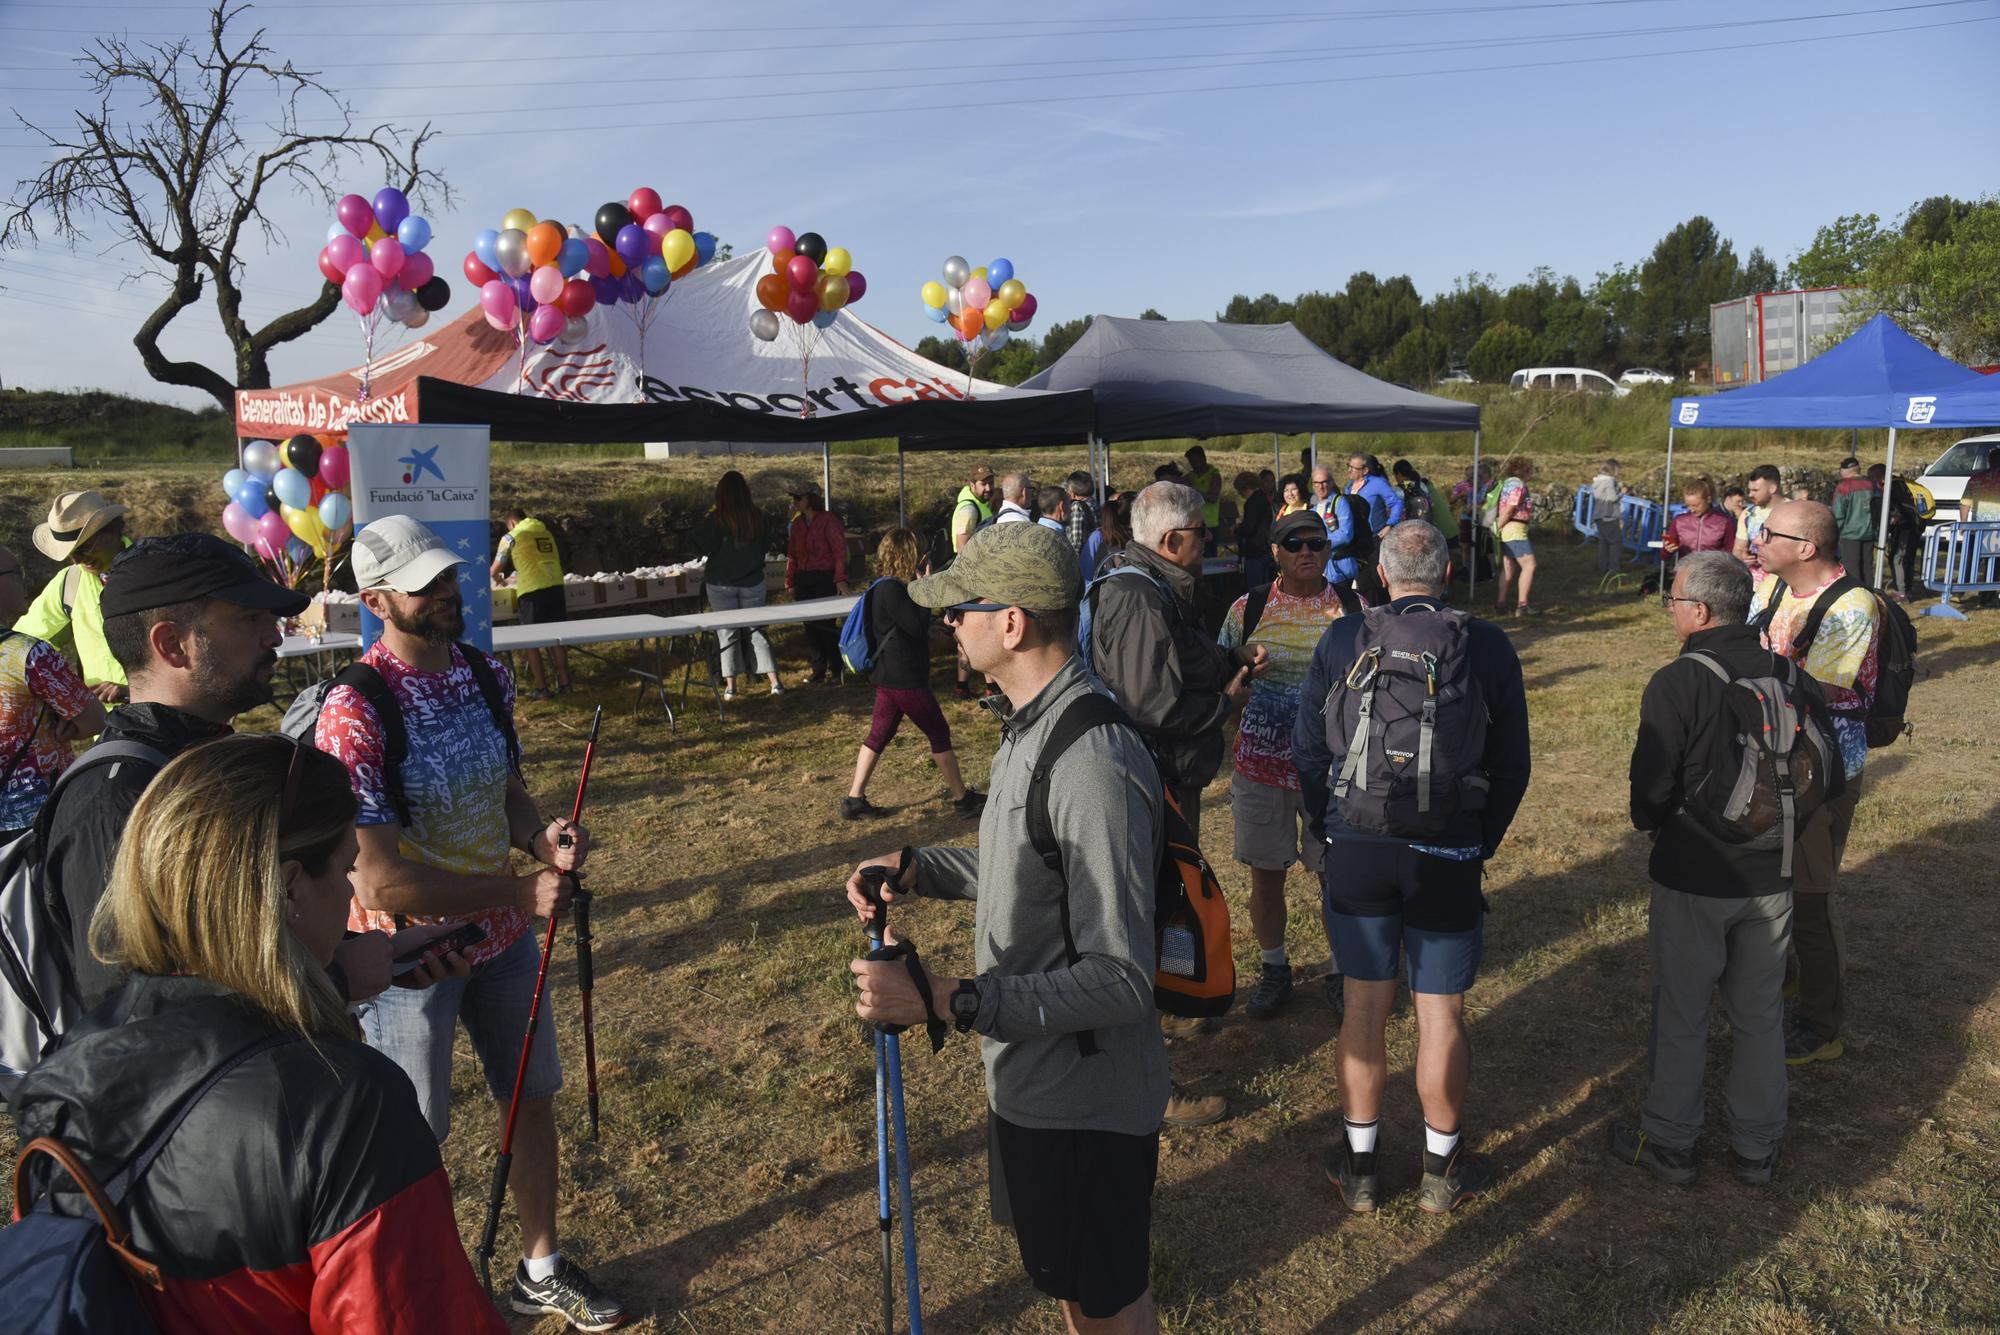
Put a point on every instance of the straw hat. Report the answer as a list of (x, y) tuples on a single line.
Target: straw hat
[(74, 517)]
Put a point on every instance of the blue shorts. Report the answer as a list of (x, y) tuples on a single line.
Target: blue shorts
[(416, 1029), (1381, 900), (1518, 547)]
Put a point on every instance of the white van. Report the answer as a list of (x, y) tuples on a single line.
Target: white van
[(1566, 380), (1945, 478)]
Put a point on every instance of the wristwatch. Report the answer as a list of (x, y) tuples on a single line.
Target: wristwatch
[(965, 1005)]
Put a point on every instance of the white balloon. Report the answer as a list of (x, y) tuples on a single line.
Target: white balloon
[(764, 324), (261, 457), (954, 302), (574, 329)]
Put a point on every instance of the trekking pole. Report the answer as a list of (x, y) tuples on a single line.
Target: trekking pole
[(580, 902), (889, 1073), (498, 1195)]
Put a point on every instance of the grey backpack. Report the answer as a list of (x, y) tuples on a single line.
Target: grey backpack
[(1776, 764), (1409, 722)]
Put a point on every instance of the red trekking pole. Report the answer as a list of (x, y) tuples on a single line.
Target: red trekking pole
[(484, 1252)]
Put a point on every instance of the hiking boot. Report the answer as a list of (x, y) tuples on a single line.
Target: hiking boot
[(1274, 989), (568, 1294), (1628, 1144), (1465, 1175), (1336, 995), (854, 808), (1353, 1176), (1754, 1172), (1183, 1026), (1805, 1044), (970, 805), (1189, 1110)]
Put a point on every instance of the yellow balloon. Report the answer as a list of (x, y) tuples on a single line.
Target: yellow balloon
[(996, 315), (306, 527), (838, 262), (934, 295), (1012, 293), (980, 272), (676, 248), (832, 291), (375, 233), (518, 219)]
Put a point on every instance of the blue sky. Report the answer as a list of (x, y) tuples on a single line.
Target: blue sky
[(1147, 154)]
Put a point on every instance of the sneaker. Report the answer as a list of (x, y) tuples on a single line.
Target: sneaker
[(1183, 1026), (564, 688), (1187, 1110), (538, 694), (962, 691), (1805, 1044), (854, 808), (1353, 1176), (1754, 1172), (1336, 994), (568, 1294), (970, 805), (1526, 611), (1274, 989), (1465, 1175), (1628, 1144), (777, 688), (728, 694)]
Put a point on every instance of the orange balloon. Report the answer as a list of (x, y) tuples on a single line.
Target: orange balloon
[(771, 291), (970, 322), (544, 243), (617, 267), (780, 260)]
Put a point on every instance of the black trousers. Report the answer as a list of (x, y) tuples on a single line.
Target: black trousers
[(822, 637)]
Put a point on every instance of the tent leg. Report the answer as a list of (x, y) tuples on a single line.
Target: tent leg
[(1473, 500), (1888, 490), (902, 489), (1312, 444), (1666, 510), (1278, 462), (826, 473)]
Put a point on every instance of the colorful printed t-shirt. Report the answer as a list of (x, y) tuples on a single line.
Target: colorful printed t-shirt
[(1842, 656), (533, 549), (33, 679), (454, 779), (1750, 532), (1289, 630), (1514, 492)]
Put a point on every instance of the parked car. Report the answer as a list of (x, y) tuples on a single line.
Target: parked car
[(1565, 379), (1458, 377), (1945, 478), (1645, 375)]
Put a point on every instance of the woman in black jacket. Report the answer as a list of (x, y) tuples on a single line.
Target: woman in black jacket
[(901, 632), (734, 537)]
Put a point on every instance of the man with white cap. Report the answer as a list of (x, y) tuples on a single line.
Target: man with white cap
[(437, 849), (84, 533)]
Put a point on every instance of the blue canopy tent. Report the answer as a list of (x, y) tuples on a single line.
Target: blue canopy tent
[(1878, 376)]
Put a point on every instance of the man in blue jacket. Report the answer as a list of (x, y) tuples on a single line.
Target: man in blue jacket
[(1382, 895)]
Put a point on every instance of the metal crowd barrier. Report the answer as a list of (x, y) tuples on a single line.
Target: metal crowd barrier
[(1961, 558), (1643, 520)]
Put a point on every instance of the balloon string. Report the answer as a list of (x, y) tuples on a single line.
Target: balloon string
[(367, 356)]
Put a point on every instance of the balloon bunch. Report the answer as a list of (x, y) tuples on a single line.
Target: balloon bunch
[(374, 253), (810, 282), (985, 306), (289, 502)]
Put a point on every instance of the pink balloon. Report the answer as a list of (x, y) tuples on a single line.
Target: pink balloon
[(361, 289), (977, 293), (657, 226), (420, 268), (272, 534), (802, 306), (780, 239), (333, 467), (356, 214), (644, 203), (546, 325), (857, 286), (598, 263), (387, 256), (238, 524), (500, 304), (1022, 313), (803, 272), (679, 218), (547, 284), (345, 252)]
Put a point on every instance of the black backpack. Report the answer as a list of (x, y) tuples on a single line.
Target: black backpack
[(1362, 546), (1775, 766), (1895, 658)]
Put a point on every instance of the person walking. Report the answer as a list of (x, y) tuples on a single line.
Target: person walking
[(438, 850), (733, 538), (1386, 893), (901, 631), (1721, 916), (83, 534), (1076, 1073), (1284, 619), (1810, 611), (1253, 532), (302, 1192), (1760, 492), (1856, 512), (1607, 515), (1080, 518), (816, 567), (538, 585), (44, 709), (1513, 510)]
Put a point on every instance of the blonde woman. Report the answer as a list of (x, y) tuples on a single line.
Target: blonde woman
[(303, 1192), (901, 632)]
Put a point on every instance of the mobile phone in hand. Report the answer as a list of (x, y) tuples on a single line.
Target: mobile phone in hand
[(463, 937)]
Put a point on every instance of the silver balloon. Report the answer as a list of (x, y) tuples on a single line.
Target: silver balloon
[(574, 329), (1020, 326), (956, 271), (260, 457), (997, 338), (398, 303), (954, 302), (764, 324), (417, 318), (576, 232), (512, 251)]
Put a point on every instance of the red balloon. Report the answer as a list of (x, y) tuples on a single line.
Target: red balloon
[(679, 217), (802, 306), (577, 298), (644, 203), (476, 273), (327, 271), (771, 292), (804, 273), (856, 286), (1024, 312)]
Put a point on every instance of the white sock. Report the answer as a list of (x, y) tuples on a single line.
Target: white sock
[(541, 1268), (1277, 956), (1439, 1143), (1360, 1136)]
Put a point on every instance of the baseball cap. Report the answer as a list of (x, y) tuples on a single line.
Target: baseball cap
[(397, 553), (803, 489), (1850, 462), (981, 473), (1298, 521), (159, 572), (1021, 565)]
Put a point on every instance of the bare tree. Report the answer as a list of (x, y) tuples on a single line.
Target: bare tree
[(184, 189)]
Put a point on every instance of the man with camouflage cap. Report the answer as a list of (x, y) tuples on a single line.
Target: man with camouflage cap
[(1076, 1072)]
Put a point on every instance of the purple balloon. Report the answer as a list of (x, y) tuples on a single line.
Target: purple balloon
[(631, 288), (355, 215), (524, 293), (391, 207), (610, 291), (631, 244)]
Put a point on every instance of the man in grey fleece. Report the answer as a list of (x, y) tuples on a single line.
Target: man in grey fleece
[(1076, 1072)]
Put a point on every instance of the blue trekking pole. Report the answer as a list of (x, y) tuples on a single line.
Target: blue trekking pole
[(889, 1076)]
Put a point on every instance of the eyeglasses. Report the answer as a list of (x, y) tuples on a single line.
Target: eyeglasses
[(956, 611), (1296, 544), (1322, 482), (1669, 599), (1770, 533)]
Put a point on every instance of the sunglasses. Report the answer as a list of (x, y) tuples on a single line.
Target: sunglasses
[(956, 611), (1297, 544)]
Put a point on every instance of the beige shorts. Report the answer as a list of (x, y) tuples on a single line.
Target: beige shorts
[(1270, 824)]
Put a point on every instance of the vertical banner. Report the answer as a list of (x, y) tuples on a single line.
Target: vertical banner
[(438, 476)]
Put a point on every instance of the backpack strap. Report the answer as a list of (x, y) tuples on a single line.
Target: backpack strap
[(72, 581), (496, 701), (1253, 610), (1830, 595), (395, 735)]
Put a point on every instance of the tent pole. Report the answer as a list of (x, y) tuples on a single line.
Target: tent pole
[(1278, 462), (1312, 443), (1666, 511), (826, 473), (1888, 490), (1472, 545), (902, 489)]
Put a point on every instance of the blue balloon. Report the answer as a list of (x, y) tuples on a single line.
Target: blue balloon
[(487, 247), (704, 247), (414, 234), (609, 290), (391, 207), (255, 497), (296, 551), (654, 275), (293, 488), (998, 272), (233, 479), (824, 319), (573, 256), (936, 313), (334, 511)]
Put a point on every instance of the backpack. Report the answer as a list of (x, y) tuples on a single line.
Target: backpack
[(74, 1274), (1778, 765), (1895, 657), (1195, 967), (857, 638), (1361, 547), (1416, 501), (1260, 597), (1086, 615), (40, 999), (301, 721), (1410, 721)]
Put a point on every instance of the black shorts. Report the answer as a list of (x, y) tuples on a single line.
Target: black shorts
[(542, 606), (1081, 1207)]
